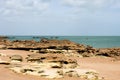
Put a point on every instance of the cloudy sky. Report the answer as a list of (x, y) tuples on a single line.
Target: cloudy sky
[(60, 17)]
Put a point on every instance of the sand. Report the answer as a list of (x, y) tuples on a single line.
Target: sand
[(106, 67)]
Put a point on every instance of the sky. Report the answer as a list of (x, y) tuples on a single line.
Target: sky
[(60, 17)]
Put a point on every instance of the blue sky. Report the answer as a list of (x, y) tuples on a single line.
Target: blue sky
[(60, 17)]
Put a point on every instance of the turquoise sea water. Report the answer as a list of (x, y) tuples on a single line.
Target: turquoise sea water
[(95, 41)]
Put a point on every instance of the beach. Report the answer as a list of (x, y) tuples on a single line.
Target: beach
[(59, 39), (57, 60)]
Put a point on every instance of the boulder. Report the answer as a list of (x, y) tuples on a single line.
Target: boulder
[(33, 58), (109, 52), (16, 58)]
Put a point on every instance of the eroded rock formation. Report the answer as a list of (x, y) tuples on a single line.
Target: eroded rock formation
[(53, 66), (65, 47)]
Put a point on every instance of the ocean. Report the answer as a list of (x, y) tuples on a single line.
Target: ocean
[(95, 41)]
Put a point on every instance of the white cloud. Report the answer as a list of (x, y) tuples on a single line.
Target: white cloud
[(39, 6), (75, 2), (91, 4), (116, 4), (23, 6)]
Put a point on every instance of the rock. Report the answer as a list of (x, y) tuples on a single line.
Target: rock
[(35, 51), (44, 40), (43, 51), (4, 62), (84, 77), (86, 54), (43, 44), (71, 73), (45, 70), (56, 65), (16, 69), (50, 51), (51, 74), (69, 65), (58, 47), (60, 72), (25, 70), (109, 52), (45, 57), (16, 58), (3, 46), (33, 58)]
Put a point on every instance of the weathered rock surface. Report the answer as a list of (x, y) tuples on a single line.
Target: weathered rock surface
[(4, 62), (57, 73), (60, 60), (51, 66), (16, 58), (65, 47), (50, 44), (109, 52)]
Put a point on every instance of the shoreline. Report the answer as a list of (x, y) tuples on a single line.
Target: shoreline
[(95, 41), (58, 45)]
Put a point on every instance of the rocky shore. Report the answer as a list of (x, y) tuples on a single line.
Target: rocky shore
[(58, 46), (53, 59)]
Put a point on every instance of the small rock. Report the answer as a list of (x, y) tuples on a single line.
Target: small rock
[(16, 58), (4, 62), (3, 46)]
